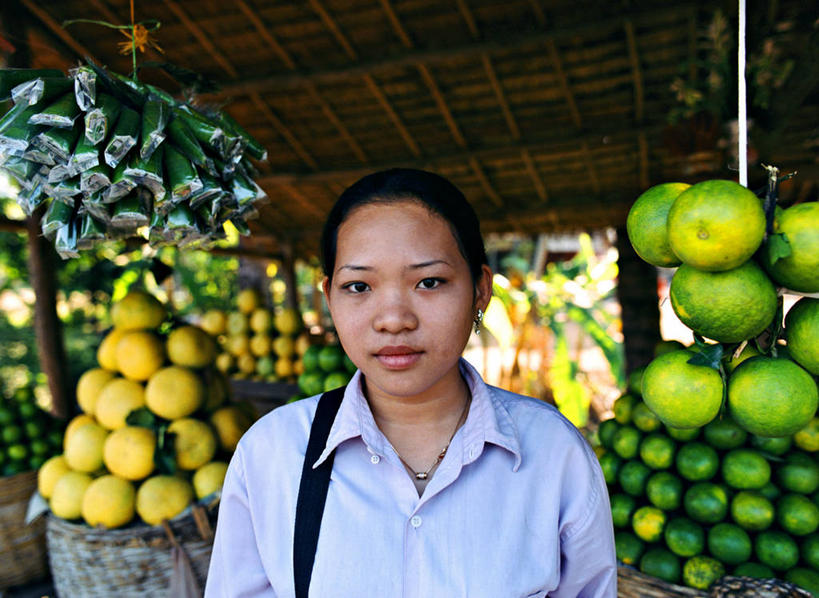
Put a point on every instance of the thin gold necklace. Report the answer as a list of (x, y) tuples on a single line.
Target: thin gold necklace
[(423, 475)]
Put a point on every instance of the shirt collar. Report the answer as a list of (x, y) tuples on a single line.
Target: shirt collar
[(488, 420)]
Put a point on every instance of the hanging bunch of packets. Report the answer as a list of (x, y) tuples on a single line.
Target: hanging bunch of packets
[(113, 158)]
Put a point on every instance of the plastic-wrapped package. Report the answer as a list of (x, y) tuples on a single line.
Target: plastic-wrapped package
[(39, 90), (29, 198), (85, 87), (123, 138), (95, 179), (186, 142), (133, 210), (254, 148), (65, 241), (210, 191), (148, 173), (59, 172), (56, 215), (91, 231), (121, 185), (16, 132), (94, 205), (61, 113), (154, 120), (66, 191), (57, 142), (182, 179), (11, 78), (20, 169), (204, 130), (86, 155), (101, 118)]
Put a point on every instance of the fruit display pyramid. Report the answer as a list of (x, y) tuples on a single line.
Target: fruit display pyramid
[(711, 457), (156, 430)]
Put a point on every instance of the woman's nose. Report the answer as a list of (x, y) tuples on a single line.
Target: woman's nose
[(394, 314)]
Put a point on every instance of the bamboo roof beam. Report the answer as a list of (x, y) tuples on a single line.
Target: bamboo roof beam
[(202, 38), (537, 10), (302, 200), (643, 149), (595, 181), (487, 187), (540, 188), (334, 28), (284, 131), (265, 34), (500, 96), (563, 82), (409, 140), (469, 18), (58, 30), (636, 72)]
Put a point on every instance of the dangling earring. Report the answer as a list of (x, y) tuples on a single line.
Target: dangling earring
[(478, 321)]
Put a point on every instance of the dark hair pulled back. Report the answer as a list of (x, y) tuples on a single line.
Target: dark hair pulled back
[(406, 184)]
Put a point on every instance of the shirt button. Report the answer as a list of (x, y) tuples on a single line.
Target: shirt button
[(375, 459), (415, 521), (472, 452)]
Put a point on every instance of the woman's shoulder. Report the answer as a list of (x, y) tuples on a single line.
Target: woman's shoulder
[(288, 424)]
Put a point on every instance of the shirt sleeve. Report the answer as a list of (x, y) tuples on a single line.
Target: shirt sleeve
[(588, 565), (236, 568)]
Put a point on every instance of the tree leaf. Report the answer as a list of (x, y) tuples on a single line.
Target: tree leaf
[(143, 418), (779, 246), (708, 355), (164, 455)]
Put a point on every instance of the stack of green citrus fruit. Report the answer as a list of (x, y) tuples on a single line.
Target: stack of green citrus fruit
[(28, 435), (155, 432), (692, 505), (325, 368)]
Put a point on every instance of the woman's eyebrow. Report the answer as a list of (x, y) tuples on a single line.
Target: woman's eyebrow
[(353, 267), (427, 264)]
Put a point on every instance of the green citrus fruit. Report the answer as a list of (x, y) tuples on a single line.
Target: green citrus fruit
[(799, 473), (610, 464), (605, 432), (331, 358), (723, 433), (772, 397), (773, 445), (729, 306), (802, 333), (682, 395), (752, 511), (681, 434), (628, 547), (662, 564), (664, 490), (626, 442), (776, 549), (635, 380), (647, 224), (622, 508), (648, 523), (701, 571), (684, 537), (706, 502), (797, 514), (800, 270), (697, 462), (806, 579), (807, 438), (633, 476), (809, 550), (747, 352), (657, 451), (715, 225), (729, 543), (644, 419), (667, 347), (623, 407), (745, 469), (770, 491), (756, 570)]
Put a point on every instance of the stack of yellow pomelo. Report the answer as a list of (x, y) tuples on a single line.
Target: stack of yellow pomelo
[(258, 343), (156, 429)]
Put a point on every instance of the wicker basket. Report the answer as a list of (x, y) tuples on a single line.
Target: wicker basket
[(133, 561), (633, 584), (22, 547)]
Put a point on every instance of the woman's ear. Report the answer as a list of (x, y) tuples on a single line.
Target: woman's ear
[(484, 288), (325, 287)]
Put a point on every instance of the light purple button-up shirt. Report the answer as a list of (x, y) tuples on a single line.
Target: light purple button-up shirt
[(517, 508)]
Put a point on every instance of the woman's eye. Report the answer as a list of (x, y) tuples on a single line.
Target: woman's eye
[(355, 287), (430, 283)]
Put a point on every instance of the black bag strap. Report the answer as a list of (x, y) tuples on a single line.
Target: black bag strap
[(313, 491)]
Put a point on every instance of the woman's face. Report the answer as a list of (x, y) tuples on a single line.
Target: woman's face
[(402, 298)]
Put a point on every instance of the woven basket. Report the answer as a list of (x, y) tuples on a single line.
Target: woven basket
[(22, 547), (133, 561), (633, 584)]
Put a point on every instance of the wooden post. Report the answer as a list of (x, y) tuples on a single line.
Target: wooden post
[(42, 260), (637, 293), (291, 297)]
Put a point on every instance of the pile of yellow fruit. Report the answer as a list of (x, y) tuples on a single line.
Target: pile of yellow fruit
[(256, 342), (154, 433)]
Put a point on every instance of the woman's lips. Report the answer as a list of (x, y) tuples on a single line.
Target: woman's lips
[(398, 358)]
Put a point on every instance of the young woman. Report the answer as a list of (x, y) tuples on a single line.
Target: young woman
[(441, 486)]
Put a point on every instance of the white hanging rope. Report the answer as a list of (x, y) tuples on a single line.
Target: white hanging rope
[(742, 119)]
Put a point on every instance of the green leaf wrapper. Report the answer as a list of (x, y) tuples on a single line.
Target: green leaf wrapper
[(86, 155), (85, 87), (65, 191), (94, 205), (21, 170), (154, 121), (181, 175), (42, 89), (205, 130), (16, 133), (148, 173), (132, 211), (11, 78), (61, 113), (29, 198), (95, 179), (65, 241), (120, 186), (123, 138), (101, 118), (56, 215), (91, 231), (254, 148), (186, 142), (57, 142)]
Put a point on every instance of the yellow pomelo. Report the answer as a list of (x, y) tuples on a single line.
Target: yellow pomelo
[(772, 397), (174, 392), (802, 333), (194, 443), (162, 497), (191, 347), (237, 323), (248, 300), (76, 422), (225, 362), (302, 343), (287, 321), (209, 478), (138, 310), (89, 386), (129, 452), (66, 497), (230, 423), (647, 224), (283, 346), (238, 344), (284, 368), (729, 306), (260, 345), (806, 439), (800, 270), (214, 322), (217, 390), (109, 501), (107, 351), (246, 363), (715, 225), (48, 474), (139, 354), (261, 320), (682, 395), (83, 449), (117, 399)]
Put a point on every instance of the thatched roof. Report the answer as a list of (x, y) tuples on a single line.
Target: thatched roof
[(551, 115)]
